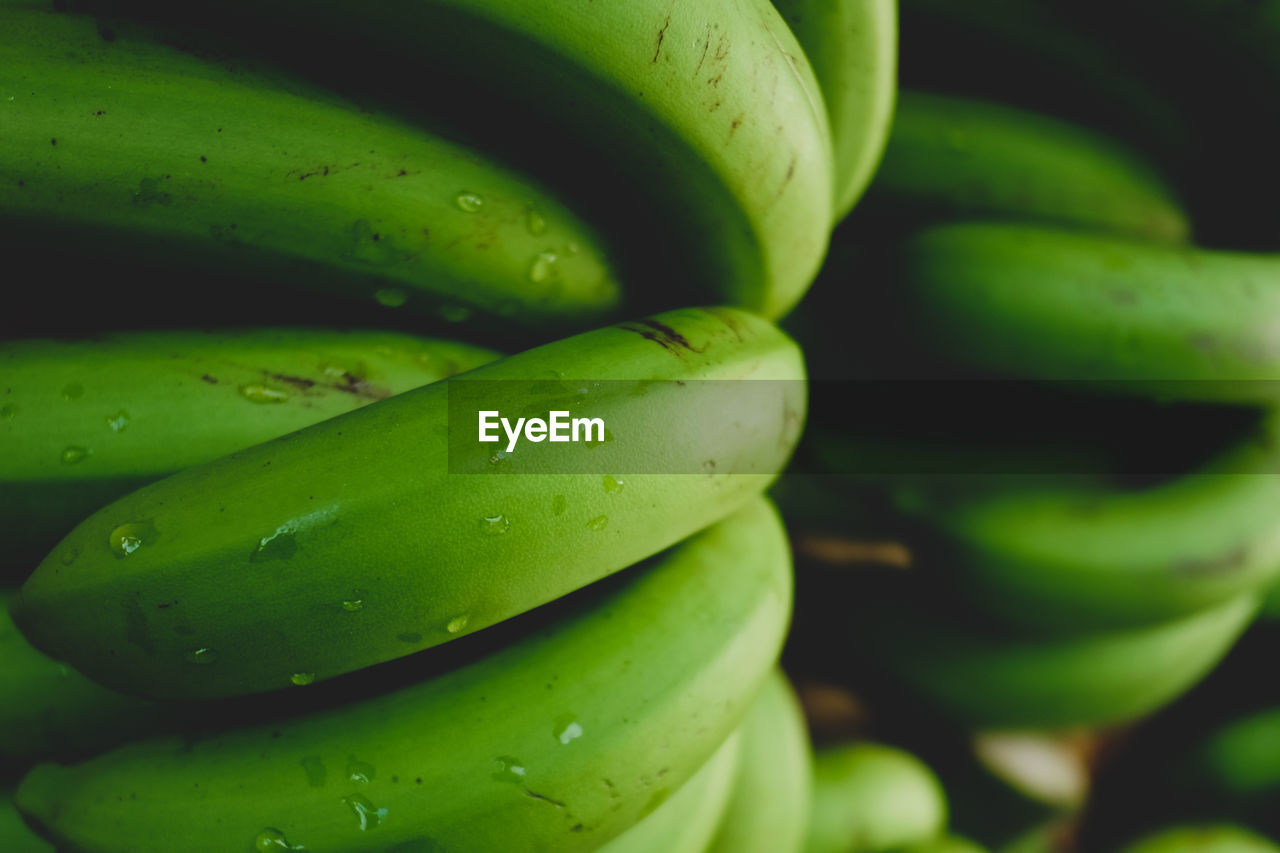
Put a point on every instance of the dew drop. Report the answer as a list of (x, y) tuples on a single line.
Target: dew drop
[(127, 538), (454, 313), (510, 770), (537, 225), (314, 767), (559, 503), (69, 556), (361, 772), (272, 840), (263, 394), (118, 421), (280, 545), (495, 525), (457, 623), (543, 266), (600, 522), (369, 815), (566, 728), (72, 391), (469, 202), (302, 679), (351, 605), (612, 484), (8, 411), (72, 455), (391, 297), (201, 656)]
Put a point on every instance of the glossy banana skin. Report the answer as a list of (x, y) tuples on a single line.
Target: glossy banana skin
[(988, 678), (703, 120), (871, 797), (768, 808), (84, 422), (649, 673), (1052, 304), (685, 822), (143, 150), (236, 576), (853, 47), (951, 158)]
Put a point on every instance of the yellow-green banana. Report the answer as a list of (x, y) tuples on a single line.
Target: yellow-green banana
[(557, 741), (982, 676), (951, 157), (685, 822), (853, 48), (1042, 303), (702, 122), (871, 798), (768, 810), (117, 145), (390, 529), (49, 710), (84, 422), (1216, 838)]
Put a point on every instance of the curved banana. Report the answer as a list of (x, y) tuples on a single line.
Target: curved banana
[(559, 740), (147, 152), (768, 809), (951, 157), (1052, 304), (700, 126), (685, 822), (84, 422), (853, 48), (987, 678), (1077, 552), (48, 710), (1236, 769), (869, 798), (376, 534), (1215, 838)]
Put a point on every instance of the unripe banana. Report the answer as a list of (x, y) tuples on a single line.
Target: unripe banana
[(84, 422), (702, 121), (49, 710), (686, 821), (1234, 771), (141, 150), (853, 48), (559, 740), (1052, 304), (373, 535), (1080, 552), (1223, 838), (872, 798), (988, 678), (768, 809), (951, 157), (15, 835)]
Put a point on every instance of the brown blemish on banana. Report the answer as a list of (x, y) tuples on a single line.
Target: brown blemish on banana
[(661, 35)]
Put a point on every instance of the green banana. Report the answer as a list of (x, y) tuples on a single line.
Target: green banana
[(143, 151), (988, 678), (768, 809), (1223, 838), (84, 422), (1235, 769), (951, 157), (870, 798), (15, 835), (559, 740), (686, 821), (49, 710), (703, 121), (1074, 552), (373, 535), (1053, 304), (853, 48)]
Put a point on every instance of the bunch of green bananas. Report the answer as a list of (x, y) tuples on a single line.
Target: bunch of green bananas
[(271, 595)]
